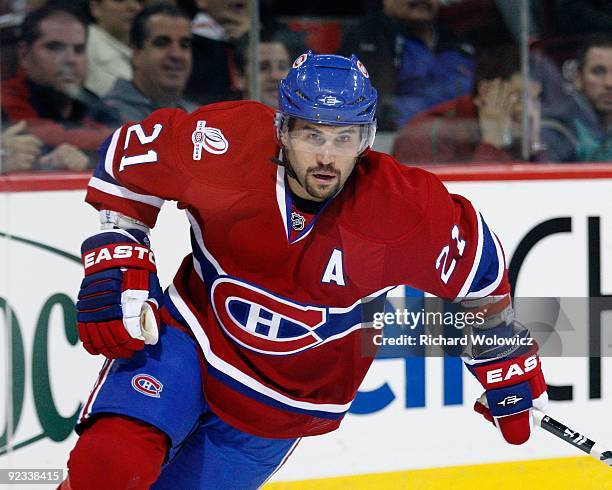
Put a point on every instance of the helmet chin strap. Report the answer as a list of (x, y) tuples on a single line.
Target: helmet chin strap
[(283, 161)]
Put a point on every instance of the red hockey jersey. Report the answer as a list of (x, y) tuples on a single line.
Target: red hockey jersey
[(278, 314)]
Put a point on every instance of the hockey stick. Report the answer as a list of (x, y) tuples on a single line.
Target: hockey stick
[(572, 437)]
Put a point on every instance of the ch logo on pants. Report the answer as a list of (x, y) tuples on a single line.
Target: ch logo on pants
[(147, 385)]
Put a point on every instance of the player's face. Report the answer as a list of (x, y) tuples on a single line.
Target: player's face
[(57, 58), (163, 64), (322, 158), (595, 79)]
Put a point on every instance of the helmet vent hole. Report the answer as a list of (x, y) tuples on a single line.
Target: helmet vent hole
[(301, 95)]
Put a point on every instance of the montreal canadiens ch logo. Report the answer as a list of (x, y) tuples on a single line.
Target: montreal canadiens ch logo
[(299, 61), (210, 139), (263, 322), (362, 69), (147, 385)]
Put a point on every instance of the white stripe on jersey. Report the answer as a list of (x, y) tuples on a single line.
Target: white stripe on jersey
[(234, 372), (470, 278), (96, 389), (370, 297), (116, 190), (197, 231), (110, 154), (281, 200), (280, 195)]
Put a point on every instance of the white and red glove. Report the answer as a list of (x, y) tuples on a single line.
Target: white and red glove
[(117, 310), (514, 386)]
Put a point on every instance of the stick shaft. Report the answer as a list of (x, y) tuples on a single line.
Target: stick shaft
[(572, 437)]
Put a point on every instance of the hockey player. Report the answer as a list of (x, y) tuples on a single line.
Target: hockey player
[(257, 342)]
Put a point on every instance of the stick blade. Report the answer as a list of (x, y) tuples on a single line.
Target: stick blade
[(606, 458)]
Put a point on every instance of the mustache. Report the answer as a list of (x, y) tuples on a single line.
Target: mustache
[(324, 168)]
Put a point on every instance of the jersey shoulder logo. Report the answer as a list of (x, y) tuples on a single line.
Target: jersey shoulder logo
[(210, 139)]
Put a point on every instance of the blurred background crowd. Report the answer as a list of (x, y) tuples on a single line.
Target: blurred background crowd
[(468, 81)]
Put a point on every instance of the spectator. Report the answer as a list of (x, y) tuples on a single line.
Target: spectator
[(12, 16), (52, 69), (220, 34), (161, 41), (580, 129), (108, 53), (278, 47), (414, 61), (274, 63), (484, 127), (19, 150)]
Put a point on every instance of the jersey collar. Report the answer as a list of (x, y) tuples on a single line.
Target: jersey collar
[(285, 205)]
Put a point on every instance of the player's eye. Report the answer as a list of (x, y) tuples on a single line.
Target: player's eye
[(314, 137), (344, 139)]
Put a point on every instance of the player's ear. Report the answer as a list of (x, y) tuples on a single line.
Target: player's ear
[(282, 128), (284, 137)]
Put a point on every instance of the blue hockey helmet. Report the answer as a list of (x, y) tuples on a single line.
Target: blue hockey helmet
[(328, 89)]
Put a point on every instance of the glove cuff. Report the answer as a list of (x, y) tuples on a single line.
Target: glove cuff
[(510, 400)]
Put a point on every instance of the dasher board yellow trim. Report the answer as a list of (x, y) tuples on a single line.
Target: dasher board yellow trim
[(582, 473)]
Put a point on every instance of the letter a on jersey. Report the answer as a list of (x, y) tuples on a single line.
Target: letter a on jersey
[(334, 272)]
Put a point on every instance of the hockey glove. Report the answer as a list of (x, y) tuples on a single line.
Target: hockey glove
[(514, 385), (117, 310)]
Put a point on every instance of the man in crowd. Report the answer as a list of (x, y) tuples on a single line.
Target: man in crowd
[(483, 127), (161, 58), (413, 60), (108, 53), (580, 128), (45, 92)]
